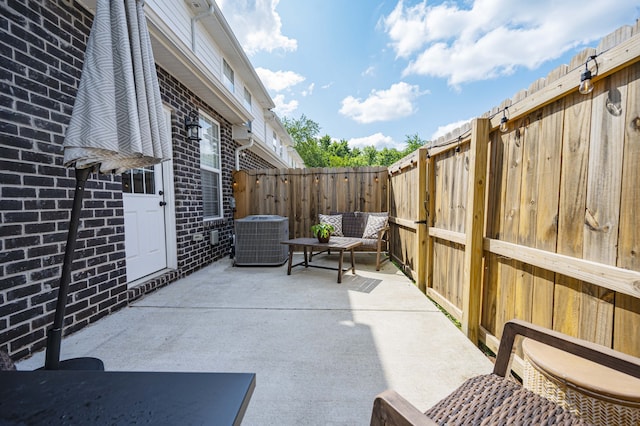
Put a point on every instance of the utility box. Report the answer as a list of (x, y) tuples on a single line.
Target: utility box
[(214, 237), (258, 239), (241, 133)]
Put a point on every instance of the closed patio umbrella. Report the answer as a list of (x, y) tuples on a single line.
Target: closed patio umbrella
[(117, 124)]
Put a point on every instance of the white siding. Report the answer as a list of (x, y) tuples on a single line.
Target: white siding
[(208, 52), (258, 122), (176, 15)]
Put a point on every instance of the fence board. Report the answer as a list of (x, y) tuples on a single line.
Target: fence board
[(509, 228), (495, 212), (439, 262), (575, 155), (549, 156), (444, 252), (603, 198), (627, 308), (404, 213), (523, 280)]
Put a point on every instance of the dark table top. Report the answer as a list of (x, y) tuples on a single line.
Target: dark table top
[(339, 243), (114, 398)]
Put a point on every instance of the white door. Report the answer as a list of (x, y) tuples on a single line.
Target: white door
[(144, 221)]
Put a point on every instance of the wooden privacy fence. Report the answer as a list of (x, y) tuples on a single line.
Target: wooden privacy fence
[(541, 222), (301, 194)]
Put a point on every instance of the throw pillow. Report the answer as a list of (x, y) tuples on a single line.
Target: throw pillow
[(374, 224), (335, 220)]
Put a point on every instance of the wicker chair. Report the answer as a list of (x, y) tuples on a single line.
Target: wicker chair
[(494, 398)]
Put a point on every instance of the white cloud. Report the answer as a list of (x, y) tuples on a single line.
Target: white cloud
[(494, 37), (443, 130), (369, 71), (378, 140), (256, 25), (283, 108), (309, 90), (382, 105), (278, 80)]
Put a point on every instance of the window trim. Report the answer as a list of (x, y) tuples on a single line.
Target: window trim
[(205, 117), (229, 81), (247, 102)]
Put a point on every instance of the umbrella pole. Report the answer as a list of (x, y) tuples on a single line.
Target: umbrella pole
[(54, 335)]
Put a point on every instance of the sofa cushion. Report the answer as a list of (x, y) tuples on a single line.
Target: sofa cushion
[(335, 220), (374, 224), (353, 224)]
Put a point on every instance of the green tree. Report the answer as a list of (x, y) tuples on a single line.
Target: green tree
[(304, 133), (302, 129), (370, 154), (413, 142), (340, 149), (388, 156), (326, 152)]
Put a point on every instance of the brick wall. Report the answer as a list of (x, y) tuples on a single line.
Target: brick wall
[(41, 51), (42, 46), (250, 161)]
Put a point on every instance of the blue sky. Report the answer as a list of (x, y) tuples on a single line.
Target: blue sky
[(374, 71)]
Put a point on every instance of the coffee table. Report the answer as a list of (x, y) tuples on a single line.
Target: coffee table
[(309, 244)]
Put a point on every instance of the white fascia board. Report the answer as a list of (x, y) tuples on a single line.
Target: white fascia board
[(268, 154)]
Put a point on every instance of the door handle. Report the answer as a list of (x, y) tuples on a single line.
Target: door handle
[(163, 203), (160, 192)]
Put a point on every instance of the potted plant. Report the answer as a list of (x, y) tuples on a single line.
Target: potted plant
[(322, 231)]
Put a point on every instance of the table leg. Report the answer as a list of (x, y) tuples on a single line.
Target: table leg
[(290, 259), (340, 267), (353, 264), (306, 261)]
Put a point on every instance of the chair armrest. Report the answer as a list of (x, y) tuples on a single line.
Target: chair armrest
[(591, 351), (381, 233), (391, 409)]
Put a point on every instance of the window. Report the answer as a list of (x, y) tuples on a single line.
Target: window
[(210, 169), (247, 99), (229, 79), (139, 181), (275, 142)]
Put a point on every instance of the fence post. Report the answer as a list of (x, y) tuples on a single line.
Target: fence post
[(423, 255), (240, 194), (474, 228)]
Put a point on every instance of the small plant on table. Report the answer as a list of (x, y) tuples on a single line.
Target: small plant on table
[(322, 231)]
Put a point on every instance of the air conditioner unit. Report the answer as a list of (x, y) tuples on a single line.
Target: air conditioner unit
[(258, 240), (241, 132)]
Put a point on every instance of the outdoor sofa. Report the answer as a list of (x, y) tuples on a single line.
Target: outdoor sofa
[(370, 228)]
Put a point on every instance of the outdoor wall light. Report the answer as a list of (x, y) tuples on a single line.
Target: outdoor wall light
[(586, 85), (504, 122), (192, 124)]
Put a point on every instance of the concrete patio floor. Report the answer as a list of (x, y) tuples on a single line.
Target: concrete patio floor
[(321, 351)]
